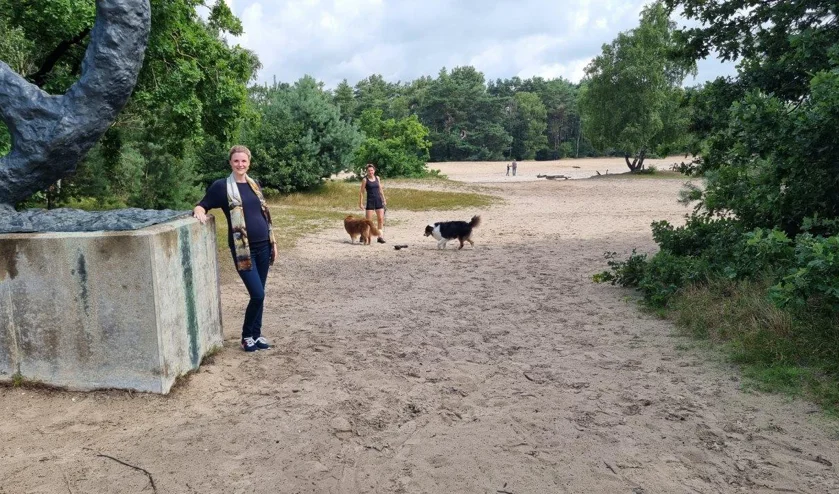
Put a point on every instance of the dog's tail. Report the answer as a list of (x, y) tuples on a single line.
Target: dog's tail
[(375, 231), (476, 221)]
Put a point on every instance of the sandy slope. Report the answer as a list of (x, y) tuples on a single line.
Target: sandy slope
[(495, 369)]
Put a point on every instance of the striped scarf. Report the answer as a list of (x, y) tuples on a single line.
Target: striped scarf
[(237, 223)]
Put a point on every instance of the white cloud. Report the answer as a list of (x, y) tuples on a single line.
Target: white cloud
[(337, 39)]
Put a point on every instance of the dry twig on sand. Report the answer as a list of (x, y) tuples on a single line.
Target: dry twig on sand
[(151, 479)]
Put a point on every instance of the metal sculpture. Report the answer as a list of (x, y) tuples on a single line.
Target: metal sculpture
[(51, 134)]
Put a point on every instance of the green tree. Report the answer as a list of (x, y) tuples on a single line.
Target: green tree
[(630, 87), (764, 140), (563, 128), (464, 119), (780, 45), (57, 33), (299, 138), (344, 99), (398, 148), (527, 124)]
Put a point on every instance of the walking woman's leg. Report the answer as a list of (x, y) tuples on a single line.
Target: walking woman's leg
[(380, 216)]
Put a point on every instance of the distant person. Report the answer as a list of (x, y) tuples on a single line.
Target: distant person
[(515, 165), (372, 185), (249, 235), (508, 170)]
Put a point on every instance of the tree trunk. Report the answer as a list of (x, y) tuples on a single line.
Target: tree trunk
[(637, 164), (641, 155), (631, 165)]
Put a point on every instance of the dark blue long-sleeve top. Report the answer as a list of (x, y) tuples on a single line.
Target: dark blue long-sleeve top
[(255, 222)]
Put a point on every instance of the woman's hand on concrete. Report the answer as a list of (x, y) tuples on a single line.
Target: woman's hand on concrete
[(200, 214)]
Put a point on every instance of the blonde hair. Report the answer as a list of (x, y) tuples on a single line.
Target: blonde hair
[(239, 149)]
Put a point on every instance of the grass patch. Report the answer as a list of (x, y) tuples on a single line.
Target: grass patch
[(796, 353), (290, 223), (344, 196)]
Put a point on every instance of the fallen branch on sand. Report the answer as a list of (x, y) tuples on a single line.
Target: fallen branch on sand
[(553, 177), (529, 378), (151, 479)]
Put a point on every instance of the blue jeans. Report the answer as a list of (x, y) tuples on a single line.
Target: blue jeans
[(254, 281)]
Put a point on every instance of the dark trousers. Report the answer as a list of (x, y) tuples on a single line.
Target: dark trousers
[(254, 281)]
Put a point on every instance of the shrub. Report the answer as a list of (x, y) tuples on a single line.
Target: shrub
[(628, 273), (815, 275)]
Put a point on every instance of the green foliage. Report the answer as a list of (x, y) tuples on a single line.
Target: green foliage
[(299, 138), (630, 99), (16, 49), (770, 169), (344, 99), (47, 39), (774, 165), (815, 275), (527, 125), (628, 273), (561, 123), (780, 44), (398, 148), (463, 118)]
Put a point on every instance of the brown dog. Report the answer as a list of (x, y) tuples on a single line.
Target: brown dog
[(360, 227)]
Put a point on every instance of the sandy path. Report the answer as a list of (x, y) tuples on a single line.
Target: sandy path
[(495, 369)]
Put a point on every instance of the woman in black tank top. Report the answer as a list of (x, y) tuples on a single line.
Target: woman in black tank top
[(372, 185)]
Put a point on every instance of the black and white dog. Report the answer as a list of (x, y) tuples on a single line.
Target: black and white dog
[(450, 230)]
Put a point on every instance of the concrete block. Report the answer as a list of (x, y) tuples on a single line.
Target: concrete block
[(129, 310)]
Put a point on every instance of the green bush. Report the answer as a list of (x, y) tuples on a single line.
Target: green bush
[(815, 275), (398, 148), (666, 274), (628, 273)]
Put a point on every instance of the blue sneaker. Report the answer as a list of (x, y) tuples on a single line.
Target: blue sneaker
[(248, 345), (262, 343)]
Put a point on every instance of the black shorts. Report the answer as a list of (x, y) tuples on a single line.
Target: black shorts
[(374, 203)]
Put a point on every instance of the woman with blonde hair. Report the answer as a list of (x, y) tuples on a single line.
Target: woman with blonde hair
[(249, 235), (376, 202)]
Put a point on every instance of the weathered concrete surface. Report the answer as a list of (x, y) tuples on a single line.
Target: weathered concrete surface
[(131, 310), (75, 220)]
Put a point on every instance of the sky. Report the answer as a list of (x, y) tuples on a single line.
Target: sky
[(402, 40)]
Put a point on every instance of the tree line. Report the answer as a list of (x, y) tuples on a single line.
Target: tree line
[(196, 95)]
